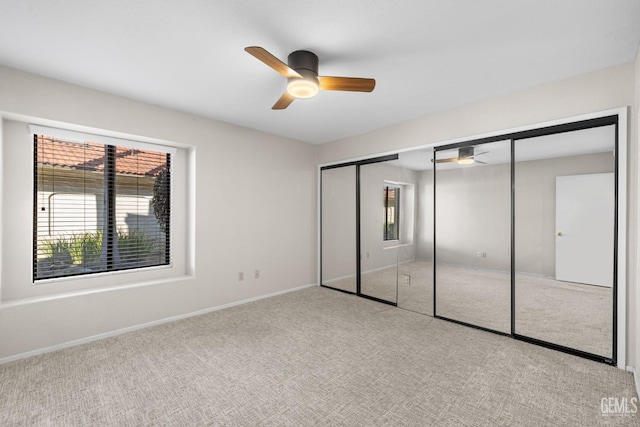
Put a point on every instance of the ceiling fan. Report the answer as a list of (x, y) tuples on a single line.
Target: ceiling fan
[(303, 79), (466, 156)]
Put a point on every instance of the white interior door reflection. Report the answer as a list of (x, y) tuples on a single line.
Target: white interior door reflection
[(584, 228)]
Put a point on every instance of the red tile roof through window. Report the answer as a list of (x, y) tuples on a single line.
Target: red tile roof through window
[(90, 157)]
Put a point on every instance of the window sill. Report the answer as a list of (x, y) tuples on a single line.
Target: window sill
[(101, 274), (77, 293)]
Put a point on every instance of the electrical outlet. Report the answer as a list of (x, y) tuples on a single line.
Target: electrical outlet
[(240, 276), (256, 274), (407, 279)]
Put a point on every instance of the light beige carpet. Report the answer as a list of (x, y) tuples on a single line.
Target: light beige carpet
[(570, 314), (311, 357)]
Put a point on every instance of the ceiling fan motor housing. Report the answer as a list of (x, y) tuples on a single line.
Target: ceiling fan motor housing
[(303, 60), (465, 153), (305, 63)]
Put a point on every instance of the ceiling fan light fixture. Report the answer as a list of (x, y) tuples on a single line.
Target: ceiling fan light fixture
[(465, 156), (303, 88), (465, 161)]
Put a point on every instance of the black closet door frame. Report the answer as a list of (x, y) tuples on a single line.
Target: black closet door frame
[(357, 164), (513, 137)]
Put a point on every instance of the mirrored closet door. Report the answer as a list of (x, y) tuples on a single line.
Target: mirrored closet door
[(565, 201), (473, 234), (383, 228), (415, 254), (516, 234), (338, 225)]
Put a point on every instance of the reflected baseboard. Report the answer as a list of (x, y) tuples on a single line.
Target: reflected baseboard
[(349, 276)]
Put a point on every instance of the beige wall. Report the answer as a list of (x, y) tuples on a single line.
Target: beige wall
[(473, 214), (228, 218), (597, 91)]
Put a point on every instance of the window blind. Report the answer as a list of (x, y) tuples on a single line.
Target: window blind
[(99, 207), (77, 137)]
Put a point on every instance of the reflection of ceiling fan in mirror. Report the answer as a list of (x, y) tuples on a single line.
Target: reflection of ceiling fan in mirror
[(466, 156)]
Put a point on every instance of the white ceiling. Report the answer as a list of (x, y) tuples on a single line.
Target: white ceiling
[(426, 55)]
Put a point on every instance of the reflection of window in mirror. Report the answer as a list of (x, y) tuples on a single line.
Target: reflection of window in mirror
[(391, 213)]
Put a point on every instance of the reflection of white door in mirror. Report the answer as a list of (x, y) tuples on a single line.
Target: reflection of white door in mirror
[(585, 228)]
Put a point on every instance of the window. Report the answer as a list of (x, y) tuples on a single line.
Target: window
[(99, 206), (391, 213)]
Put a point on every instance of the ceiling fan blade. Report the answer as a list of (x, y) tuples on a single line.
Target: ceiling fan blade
[(479, 154), (449, 160), (283, 102), (272, 61), (478, 161), (353, 84)]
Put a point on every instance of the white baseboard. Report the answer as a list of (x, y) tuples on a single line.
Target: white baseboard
[(144, 325)]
